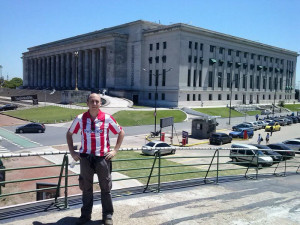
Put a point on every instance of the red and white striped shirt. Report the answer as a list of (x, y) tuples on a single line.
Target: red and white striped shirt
[(95, 134)]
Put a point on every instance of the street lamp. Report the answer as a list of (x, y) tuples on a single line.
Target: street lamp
[(76, 70), (156, 96), (231, 96)]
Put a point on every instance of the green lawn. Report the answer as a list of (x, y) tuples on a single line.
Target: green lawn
[(47, 114), (137, 118), (223, 112), (292, 107), (147, 164)]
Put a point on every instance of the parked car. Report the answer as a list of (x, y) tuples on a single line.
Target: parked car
[(293, 144), (241, 125), (283, 150), (254, 125), (262, 124), (268, 151), (240, 133), (220, 138), (275, 125), (288, 121), (249, 153), (293, 119), (8, 107), (282, 122), (151, 148), (31, 128)]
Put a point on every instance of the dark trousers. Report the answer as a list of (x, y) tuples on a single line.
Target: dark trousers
[(90, 164)]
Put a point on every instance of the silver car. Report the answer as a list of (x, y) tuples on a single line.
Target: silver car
[(293, 144), (154, 146)]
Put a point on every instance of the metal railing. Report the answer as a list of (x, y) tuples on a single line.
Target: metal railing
[(207, 167)]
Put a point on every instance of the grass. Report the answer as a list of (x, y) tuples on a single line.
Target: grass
[(171, 168), (292, 107), (223, 112), (137, 118), (47, 114)]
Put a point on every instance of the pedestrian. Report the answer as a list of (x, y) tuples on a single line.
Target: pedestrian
[(271, 130), (95, 156), (259, 139), (257, 116), (267, 138)]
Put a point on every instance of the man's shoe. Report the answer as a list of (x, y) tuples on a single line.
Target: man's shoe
[(108, 221), (83, 220)]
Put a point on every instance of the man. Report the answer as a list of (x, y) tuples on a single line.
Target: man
[(95, 156), (256, 117)]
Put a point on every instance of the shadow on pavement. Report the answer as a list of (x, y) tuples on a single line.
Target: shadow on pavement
[(68, 221)]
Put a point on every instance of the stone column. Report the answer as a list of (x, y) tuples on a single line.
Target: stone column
[(94, 69), (86, 69), (25, 71), (79, 80), (62, 71), (52, 71), (68, 70), (39, 72), (57, 72), (35, 72), (102, 68), (47, 71), (43, 72), (73, 73)]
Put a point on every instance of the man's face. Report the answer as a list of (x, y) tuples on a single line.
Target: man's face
[(94, 102)]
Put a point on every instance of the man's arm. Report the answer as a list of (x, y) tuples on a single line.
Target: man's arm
[(112, 154), (75, 155)]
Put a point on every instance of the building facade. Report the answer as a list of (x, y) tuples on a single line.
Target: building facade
[(178, 64)]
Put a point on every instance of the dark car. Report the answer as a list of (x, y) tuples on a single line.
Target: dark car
[(31, 128), (293, 119), (239, 133), (241, 125), (268, 151), (220, 138), (283, 150), (8, 107)]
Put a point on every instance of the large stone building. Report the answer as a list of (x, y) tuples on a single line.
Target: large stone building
[(183, 64)]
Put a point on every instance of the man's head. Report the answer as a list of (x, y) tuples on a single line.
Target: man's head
[(94, 101)]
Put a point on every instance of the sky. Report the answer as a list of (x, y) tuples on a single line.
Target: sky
[(27, 23)]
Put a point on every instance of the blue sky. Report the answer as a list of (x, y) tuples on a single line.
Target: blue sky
[(27, 23)]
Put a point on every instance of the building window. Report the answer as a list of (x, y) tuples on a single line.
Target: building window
[(210, 79), (236, 97), (264, 97), (150, 60), (245, 54), (190, 58), (195, 78), (151, 47), (244, 80), (212, 48), (194, 97), (264, 83), (157, 46), (195, 59), (237, 53), (189, 78), (257, 82), (276, 61), (270, 83), (188, 97), (200, 78), (229, 51), (258, 57), (162, 96), (156, 78), (228, 79), (196, 45), (164, 59), (190, 44), (271, 59), (279, 96), (228, 96), (220, 78), (165, 45), (265, 58), (210, 97), (201, 46), (251, 81), (252, 56), (149, 96), (221, 50), (269, 97), (163, 78), (157, 59), (236, 79), (219, 97), (282, 61), (199, 97), (150, 78)]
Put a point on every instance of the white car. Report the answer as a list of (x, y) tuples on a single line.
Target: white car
[(254, 124), (154, 146)]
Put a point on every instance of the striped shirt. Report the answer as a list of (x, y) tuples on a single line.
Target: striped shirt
[(95, 134)]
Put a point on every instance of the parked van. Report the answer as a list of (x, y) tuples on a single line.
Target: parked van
[(249, 153)]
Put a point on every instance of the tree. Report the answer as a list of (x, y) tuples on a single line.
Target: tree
[(13, 83)]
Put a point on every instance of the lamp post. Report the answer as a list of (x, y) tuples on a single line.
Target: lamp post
[(156, 96), (76, 70)]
